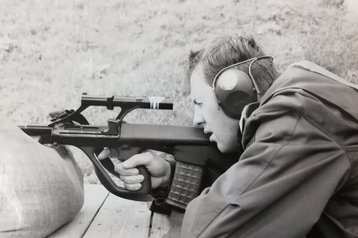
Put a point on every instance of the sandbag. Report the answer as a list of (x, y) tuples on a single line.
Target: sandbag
[(41, 188)]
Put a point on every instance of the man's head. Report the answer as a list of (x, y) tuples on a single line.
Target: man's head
[(204, 65)]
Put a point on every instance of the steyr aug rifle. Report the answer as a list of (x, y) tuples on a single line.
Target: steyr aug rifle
[(189, 146)]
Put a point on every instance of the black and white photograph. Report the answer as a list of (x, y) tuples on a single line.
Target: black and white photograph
[(179, 119)]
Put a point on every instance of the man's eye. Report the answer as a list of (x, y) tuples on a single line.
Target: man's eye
[(196, 102)]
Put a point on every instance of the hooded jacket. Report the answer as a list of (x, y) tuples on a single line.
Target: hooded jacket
[(298, 175)]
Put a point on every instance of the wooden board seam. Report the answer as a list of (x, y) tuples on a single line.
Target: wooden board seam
[(95, 215), (150, 224)]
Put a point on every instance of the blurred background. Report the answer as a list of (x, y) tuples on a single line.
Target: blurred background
[(51, 51)]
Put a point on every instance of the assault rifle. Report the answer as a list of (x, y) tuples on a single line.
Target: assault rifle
[(189, 146)]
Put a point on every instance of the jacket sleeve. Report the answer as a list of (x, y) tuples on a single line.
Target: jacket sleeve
[(279, 187)]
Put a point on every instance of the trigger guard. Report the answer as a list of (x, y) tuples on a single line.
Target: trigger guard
[(109, 166)]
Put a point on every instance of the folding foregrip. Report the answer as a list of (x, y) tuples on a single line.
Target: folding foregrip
[(186, 184)]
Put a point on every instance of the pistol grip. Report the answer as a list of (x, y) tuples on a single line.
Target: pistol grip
[(146, 184), (102, 174)]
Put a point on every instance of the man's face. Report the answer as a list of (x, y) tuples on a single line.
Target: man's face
[(222, 129)]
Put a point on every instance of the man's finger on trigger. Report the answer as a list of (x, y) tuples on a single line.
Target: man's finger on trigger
[(137, 160), (123, 171), (105, 153)]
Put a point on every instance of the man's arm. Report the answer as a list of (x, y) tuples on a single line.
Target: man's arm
[(41, 188), (279, 188)]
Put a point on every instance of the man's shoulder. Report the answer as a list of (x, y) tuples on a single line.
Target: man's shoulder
[(324, 102), (312, 83)]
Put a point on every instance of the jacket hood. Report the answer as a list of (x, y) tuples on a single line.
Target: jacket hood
[(320, 83)]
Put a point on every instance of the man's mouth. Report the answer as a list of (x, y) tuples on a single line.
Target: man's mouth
[(211, 136), (207, 132)]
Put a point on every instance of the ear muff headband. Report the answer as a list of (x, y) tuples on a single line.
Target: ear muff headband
[(243, 92)]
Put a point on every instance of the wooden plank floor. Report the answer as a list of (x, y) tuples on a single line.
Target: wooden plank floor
[(120, 218), (105, 215)]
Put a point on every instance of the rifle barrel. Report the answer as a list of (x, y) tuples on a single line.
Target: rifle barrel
[(36, 130)]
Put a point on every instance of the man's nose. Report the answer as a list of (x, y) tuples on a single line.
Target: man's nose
[(198, 118)]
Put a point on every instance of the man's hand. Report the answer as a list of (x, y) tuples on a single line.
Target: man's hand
[(157, 166)]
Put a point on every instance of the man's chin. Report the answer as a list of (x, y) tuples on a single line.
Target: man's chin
[(221, 148), (226, 150)]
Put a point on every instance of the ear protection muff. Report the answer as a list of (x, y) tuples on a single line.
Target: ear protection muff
[(234, 89)]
